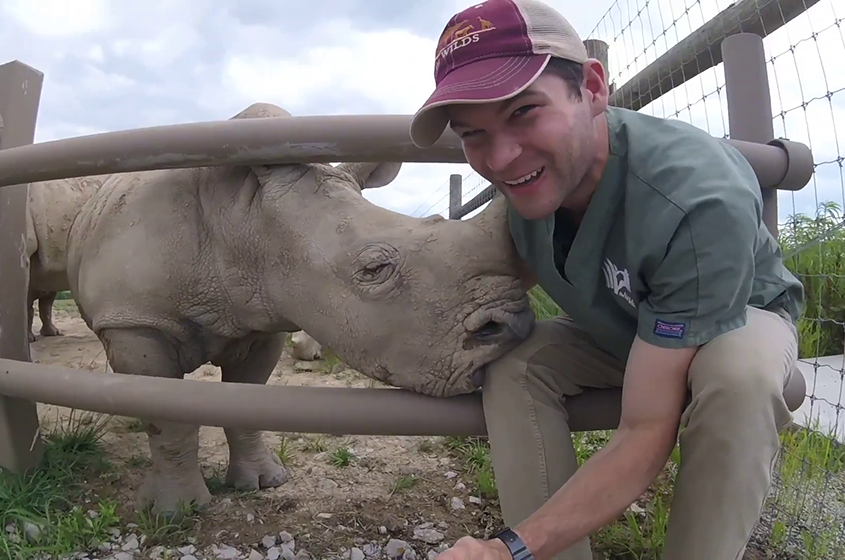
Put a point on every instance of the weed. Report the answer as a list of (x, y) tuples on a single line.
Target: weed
[(285, 451), (403, 483), (341, 457)]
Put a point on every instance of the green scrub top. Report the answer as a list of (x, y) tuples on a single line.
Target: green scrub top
[(672, 246)]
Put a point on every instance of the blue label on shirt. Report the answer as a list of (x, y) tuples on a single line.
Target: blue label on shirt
[(669, 330)]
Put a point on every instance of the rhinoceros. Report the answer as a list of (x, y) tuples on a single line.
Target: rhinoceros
[(304, 347), (52, 208), (176, 268)]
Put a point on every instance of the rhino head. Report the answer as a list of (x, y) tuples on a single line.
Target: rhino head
[(418, 303)]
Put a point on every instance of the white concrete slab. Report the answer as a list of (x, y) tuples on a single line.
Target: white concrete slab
[(825, 402)]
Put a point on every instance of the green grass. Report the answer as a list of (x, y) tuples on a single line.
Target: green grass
[(38, 514), (821, 269), (341, 457)]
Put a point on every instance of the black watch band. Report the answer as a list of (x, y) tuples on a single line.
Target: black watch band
[(517, 548)]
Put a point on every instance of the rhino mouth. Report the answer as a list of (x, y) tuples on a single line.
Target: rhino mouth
[(499, 333), (478, 377), (489, 333), (498, 327)]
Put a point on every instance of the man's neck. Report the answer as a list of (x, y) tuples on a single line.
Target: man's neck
[(576, 206)]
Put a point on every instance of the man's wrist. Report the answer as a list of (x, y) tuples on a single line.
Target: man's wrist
[(512, 543)]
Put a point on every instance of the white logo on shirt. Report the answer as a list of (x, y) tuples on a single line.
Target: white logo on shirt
[(618, 280)]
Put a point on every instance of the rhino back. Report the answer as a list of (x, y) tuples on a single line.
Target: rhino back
[(149, 249), (53, 207)]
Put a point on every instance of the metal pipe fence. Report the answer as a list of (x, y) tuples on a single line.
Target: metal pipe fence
[(321, 139)]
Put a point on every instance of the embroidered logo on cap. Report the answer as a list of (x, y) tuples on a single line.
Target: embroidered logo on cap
[(460, 35)]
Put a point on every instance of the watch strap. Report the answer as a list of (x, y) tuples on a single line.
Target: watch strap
[(515, 545)]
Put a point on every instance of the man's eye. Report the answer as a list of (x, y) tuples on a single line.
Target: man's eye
[(523, 110)]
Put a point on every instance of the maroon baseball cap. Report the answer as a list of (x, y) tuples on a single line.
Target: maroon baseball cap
[(491, 52)]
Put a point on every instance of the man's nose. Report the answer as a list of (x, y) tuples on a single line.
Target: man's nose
[(503, 151)]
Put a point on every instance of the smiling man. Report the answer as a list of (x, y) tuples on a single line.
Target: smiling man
[(648, 233)]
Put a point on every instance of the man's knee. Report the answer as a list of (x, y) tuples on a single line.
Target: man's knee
[(514, 366), (557, 360), (746, 370)]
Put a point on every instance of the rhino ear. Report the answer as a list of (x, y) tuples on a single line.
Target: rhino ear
[(279, 175), (372, 175), (261, 110)]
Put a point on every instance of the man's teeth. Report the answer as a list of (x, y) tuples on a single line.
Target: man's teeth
[(525, 178)]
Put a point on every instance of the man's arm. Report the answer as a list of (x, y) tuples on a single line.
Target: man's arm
[(653, 397)]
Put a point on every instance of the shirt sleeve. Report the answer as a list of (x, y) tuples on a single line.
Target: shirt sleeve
[(704, 277)]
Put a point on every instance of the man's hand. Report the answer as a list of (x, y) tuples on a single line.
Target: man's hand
[(468, 548)]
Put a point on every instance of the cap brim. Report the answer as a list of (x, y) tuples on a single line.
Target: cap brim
[(484, 81)]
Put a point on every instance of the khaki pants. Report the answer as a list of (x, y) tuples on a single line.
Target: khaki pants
[(728, 445)]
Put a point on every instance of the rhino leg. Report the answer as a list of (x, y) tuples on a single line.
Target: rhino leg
[(45, 311), (251, 464), (30, 299), (175, 481)]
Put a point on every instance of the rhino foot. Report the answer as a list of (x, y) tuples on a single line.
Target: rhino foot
[(251, 465), (170, 498), (175, 484), (51, 330)]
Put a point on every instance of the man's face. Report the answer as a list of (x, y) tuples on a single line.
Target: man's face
[(536, 147)]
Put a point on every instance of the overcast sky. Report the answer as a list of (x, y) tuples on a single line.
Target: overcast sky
[(114, 65)]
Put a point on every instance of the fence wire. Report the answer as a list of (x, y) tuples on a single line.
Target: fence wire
[(804, 45)]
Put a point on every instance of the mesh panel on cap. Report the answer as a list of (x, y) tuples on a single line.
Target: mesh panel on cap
[(549, 31)]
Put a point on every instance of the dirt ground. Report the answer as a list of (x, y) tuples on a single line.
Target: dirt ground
[(391, 487)]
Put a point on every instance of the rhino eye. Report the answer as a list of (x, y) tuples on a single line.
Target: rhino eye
[(373, 272), (375, 268)]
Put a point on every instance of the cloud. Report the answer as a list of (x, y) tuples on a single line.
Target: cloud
[(113, 65), (54, 18)]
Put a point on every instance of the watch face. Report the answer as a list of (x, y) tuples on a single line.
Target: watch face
[(515, 545), (509, 536)]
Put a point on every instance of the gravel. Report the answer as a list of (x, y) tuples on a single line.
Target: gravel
[(427, 542)]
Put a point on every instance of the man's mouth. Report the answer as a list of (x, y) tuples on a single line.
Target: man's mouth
[(526, 179)]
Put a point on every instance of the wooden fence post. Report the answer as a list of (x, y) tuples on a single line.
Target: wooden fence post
[(455, 195), (20, 94)]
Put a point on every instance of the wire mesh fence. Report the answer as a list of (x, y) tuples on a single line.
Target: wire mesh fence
[(665, 60)]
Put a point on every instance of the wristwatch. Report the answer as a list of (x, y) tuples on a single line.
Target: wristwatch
[(515, 545)]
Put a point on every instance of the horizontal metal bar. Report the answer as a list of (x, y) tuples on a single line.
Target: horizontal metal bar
[(483, 197), (290, 139), (780, 164), (308, 139), (795, 161), (281, 408)]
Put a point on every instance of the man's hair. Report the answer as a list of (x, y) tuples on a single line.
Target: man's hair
[(570, 72)]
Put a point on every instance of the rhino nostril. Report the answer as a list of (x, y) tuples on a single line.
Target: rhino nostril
[(499, 327), (489, 330)]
